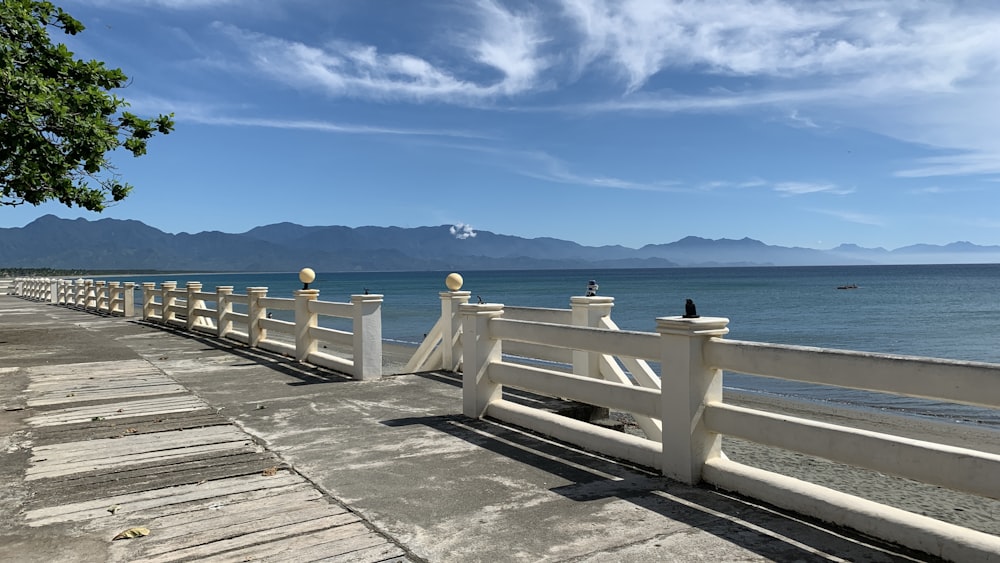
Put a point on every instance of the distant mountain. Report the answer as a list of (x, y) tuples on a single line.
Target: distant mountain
[(112, 244)]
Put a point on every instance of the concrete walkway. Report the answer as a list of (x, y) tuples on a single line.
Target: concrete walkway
[(227, 453)]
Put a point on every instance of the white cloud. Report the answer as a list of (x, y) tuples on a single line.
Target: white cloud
[(216, 114), (505, 43), (170, 4), (922, 72), (853, 217), (801, 188), (543, 166), (932, 45), (331, 127), (462, 231)]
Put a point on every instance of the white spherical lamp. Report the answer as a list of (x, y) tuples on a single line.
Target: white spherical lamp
[(454, 281), (306, 276)]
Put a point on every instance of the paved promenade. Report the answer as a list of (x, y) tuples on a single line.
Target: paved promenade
[(228, 454)]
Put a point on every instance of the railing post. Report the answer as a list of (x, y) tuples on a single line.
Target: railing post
[(588, 312), (114, 297), (80, 293), (148, 295), (255, 313), (223, 309), (54, 292), (451, 351), (478, 351), (192, 302), (687, 386), (65, 295), (305, 320), (19, 286), (100, 295), (90, 291), (367, 336), (128, 299), (167, 302)]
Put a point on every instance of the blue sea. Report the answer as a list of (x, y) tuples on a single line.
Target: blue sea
[(944, 311)]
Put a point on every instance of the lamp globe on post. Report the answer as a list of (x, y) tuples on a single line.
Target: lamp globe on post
[(454, 282), (306, 276)]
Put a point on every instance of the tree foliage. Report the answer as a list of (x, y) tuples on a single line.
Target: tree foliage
[(59, 121)]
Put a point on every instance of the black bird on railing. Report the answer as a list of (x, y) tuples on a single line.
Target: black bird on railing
[(690, 311)]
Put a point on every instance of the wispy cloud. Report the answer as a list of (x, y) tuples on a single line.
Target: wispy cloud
[(783, 188), (853, 217), (801, 188), (170, 4), (935, 43), (980, 162), (224, 115), (330, 127), (504, 42), (800, 121), (921, 72), (543, 166)]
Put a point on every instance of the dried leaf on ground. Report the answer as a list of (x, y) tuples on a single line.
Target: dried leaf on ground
[(131, 533), (114, 509), (270, 471)]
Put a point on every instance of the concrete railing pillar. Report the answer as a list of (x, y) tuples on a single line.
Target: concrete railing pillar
[(367, 327), (167, 302), (101, 295), (148, 300), (255, 313), (588, 312), (80, 292), (90, 294), (687, 386), (114, 297), (451, 350), (54, 291), (128, 299), (223, 310), (478, 351), (305, 320), (192, 304)]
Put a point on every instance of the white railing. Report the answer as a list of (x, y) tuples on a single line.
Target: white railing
[(694, 416), (189, 308), (114, 298), (442, 348)]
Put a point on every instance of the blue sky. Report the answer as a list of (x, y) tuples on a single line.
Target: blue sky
[(604, 122)]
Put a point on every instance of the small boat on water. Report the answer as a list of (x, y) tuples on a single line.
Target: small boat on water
[(848, 286)]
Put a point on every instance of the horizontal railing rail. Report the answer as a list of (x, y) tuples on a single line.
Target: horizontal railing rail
[(971, 383)]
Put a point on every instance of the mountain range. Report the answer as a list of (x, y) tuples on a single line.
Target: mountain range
[(114, 244)]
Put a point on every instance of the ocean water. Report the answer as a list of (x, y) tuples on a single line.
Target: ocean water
[(944, 311)]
